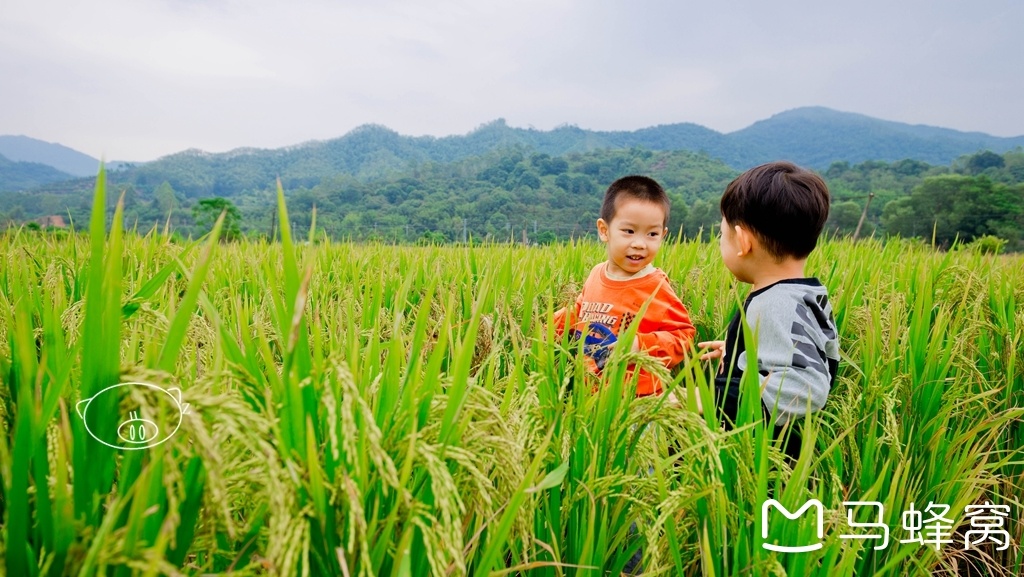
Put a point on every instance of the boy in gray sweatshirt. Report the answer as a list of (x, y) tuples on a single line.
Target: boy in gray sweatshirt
[(772, 216)]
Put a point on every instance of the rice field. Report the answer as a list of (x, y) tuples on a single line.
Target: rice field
[(343, 409)]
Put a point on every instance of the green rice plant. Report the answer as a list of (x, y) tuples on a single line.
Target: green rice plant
[(366, 409), (65, 494)]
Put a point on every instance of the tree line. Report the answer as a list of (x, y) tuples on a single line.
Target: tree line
[(517, 194), (979, 195)]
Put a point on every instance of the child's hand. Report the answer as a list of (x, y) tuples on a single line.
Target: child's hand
[(716, 352)]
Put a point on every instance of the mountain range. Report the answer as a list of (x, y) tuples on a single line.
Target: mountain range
[(810, 136), (66, 160)]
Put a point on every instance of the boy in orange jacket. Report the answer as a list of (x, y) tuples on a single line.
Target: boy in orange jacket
[(633, 224)]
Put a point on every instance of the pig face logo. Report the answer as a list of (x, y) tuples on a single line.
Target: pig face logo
[(133, 415)]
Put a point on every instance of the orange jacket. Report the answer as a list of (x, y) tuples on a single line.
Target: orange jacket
[(665, 331)]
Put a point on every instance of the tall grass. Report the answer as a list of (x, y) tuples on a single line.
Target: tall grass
[(382, 410)]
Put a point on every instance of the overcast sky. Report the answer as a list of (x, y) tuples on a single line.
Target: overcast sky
[(138, 79)]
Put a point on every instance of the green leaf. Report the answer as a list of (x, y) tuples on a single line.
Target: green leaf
[(552, 479), (187, 306)]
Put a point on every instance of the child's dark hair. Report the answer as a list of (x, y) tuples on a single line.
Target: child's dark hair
[(783, 205), (634, 186)]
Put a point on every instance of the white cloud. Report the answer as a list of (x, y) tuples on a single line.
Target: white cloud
[(134, 79), (138, 35)]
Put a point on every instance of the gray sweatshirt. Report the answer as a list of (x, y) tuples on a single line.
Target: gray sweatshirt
[(797, 347)]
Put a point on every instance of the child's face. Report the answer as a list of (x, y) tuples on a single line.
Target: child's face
[(730, 248), (633, 237)]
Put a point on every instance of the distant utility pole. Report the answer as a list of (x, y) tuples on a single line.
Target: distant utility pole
[(863, 215), (463, 230)]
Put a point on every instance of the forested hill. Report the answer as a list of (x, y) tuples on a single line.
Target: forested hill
[(817, 137), (502, 182), (373, 152), (25, 175), (496, 194), (517, 194), (814, 137), (67, 160)]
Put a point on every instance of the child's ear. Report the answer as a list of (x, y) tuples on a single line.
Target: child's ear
[(744, 240), (602, 229)]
